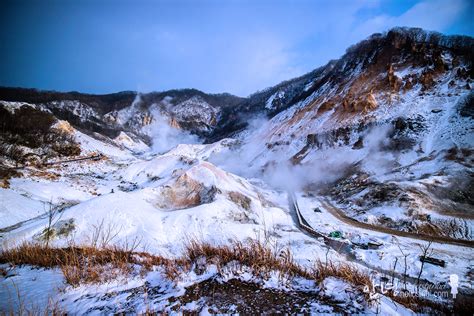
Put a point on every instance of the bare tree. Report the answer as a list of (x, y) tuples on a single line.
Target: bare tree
[(49, 232), (426, 251), (394, 268), (103, 234), (405, 255)]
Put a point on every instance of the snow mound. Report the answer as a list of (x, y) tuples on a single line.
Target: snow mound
[(125, 141), (91, 145), (180, 157), (197, 201), (15, 208)]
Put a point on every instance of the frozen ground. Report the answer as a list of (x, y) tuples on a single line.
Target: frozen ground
[(164, 200), (367, 151), (154, 292)]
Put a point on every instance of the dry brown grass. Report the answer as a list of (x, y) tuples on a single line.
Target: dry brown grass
[(6, 174), (78, 265), (263, 259), (254, 254), (344, 271), (420, 305), (89, 264), (44, 174), (93, 265), (83, 264), (23, 308)]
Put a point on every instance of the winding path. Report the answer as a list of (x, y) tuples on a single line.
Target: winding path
[(346, 249), (340, 215)]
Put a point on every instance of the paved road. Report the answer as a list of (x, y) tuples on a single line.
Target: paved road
[(343, 248), (340, 215)]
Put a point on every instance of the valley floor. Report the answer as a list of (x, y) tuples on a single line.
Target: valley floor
[(159, 204)]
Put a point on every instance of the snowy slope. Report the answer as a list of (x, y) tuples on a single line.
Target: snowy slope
[(384, 136)]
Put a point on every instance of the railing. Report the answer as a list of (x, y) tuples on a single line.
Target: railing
[(92, 157), (339, 246), (301, 220)]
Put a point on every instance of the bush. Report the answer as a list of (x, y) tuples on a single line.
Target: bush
[(89, 264), (12, 151), (64, 144), (31, 128)]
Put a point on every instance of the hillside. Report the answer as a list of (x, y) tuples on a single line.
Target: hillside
[(303, 192)]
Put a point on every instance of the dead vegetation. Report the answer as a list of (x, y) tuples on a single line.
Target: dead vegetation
[(6, 174), (344, 271), (89, 264), (79, 265), (421, 305), (18, 304), (254, 254), (28, 137)]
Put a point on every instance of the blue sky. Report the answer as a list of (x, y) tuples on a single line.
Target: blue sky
[(215, 46)]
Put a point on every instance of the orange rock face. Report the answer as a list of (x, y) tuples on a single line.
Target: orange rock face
[(64, 126), (186, 192)]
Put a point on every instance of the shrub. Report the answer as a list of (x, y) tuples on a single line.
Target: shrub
[(89, 264), (31, 128)]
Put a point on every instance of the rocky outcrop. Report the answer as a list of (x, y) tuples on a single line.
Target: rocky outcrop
[(374, 71), (359, 102), (186, 192), (240, 199), (64, 127), (393, 81), (326, 106)]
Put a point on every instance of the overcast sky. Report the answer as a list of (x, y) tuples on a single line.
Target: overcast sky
[(215, 46)]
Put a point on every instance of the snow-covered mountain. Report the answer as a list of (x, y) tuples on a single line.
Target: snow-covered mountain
[(188, 109), (390, 125), (363, 160)]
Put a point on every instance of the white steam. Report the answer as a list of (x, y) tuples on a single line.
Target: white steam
[(164, 135), (241, 161), (321, 166)]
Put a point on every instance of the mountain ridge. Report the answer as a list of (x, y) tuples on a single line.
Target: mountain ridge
[(232, 112), (362, 161)]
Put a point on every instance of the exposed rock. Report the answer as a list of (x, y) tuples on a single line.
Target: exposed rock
[(64, 126), (466, 106), (427, 80), (359, 143), (186, 192), (352, 85), (393, 81), (326, 106), (240, 199)]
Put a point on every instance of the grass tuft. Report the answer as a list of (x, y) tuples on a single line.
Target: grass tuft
[(96, 265)]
